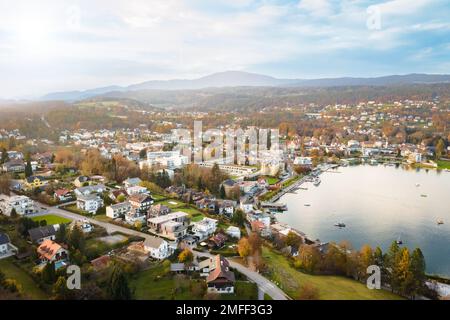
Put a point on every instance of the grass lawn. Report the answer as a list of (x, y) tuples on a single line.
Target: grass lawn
[(153, 284), (73, 208), (158, 197), (51, 219), (29, 287), (102, 217), (443, 164), (330, 287), (272, 180)]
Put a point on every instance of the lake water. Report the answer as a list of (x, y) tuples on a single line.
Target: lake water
[(378, 204)]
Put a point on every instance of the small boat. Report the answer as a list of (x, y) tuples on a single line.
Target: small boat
[(440, 221), (307, 205), (316, 182), (399, 240), (417, 184), (340, 225), (423, 195)]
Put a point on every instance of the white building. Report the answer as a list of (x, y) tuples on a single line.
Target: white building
[(98, 188), (22, 205), (137, 190), (90, 203), (234, 232), (303, 161), (116, 210), (157, 248), (168, 159), (204, 228)]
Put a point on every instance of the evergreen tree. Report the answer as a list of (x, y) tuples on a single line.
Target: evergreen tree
[(118, 285), (60, 290), (417, 269), (76, 239), (4, 157), (28, 169), (61, 234), (222, 192), (49, 273)]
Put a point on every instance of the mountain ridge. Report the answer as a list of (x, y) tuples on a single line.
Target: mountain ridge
[(244, 79)]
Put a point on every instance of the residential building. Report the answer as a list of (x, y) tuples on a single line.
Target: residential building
[(98, 188), (204, 228), (14, 166), (50, 251), (21, 204), (7, 249), (84, 225), (233, 232), (172, 225), (117, 210), (217, 241), (158, 210), (133, 190), (167, 159), (157, 248), (132, 182), (90, 203), (63, 195), (81, 181), (220, 278), (34, 182), (40, 234)]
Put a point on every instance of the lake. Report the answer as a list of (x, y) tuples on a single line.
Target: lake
[(378, 204)]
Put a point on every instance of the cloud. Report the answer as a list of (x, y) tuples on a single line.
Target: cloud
[(123, 42)]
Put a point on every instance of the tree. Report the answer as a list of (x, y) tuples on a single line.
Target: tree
[(366, 258), (417, 269), (118, 288), (61, 234), (60, 290), (244, 248), (5, 184), (13, 213), (121, 198), (255, 242), (440, 147), (223, 194), (28, 168), (293, 239), (308, 292), (5, 157), (48, 273), (238, 217), (186, 256), (24, 224), (76, 239), (307, 259)]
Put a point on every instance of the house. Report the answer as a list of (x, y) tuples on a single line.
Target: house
[(137, 190), (63, 195), (217, 241), (40, 234), (303, 162), (21, 204), (228, 186), (158, 210), (132, 182), (117, 210), (50, 251), (226, 207), (172, 225), (98, 188), (157, 248), (14, 166), (220, 278), (204, 228), (141, 203), (233, 232), (34, 182), (115, 194), (6, 248), (90, 203), (81, 181), (246, 205), (208, 204)]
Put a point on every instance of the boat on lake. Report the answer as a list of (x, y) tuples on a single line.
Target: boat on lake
[(399, 240), (316, 182), (340, 224), (423, 195), (440, 221), (307, 205)]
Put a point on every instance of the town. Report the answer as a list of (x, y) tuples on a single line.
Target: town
[(143, 220)]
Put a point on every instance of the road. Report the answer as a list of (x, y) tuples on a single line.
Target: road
[(263, 283)]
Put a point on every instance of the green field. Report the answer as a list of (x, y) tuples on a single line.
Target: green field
[(29, 287), (272, 180), (330, 287), (51, 219), (443, 164)]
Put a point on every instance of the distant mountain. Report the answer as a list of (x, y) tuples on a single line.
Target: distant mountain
[(245, 79)]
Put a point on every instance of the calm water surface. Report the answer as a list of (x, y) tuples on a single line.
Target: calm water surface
[(378, 204)]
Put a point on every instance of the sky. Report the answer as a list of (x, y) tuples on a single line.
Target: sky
[(58, 45)]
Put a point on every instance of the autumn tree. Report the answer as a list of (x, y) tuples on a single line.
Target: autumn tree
[(186, 256), (307, 259), (117, 286), (5, 184), (308, 292), (244, 248)]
